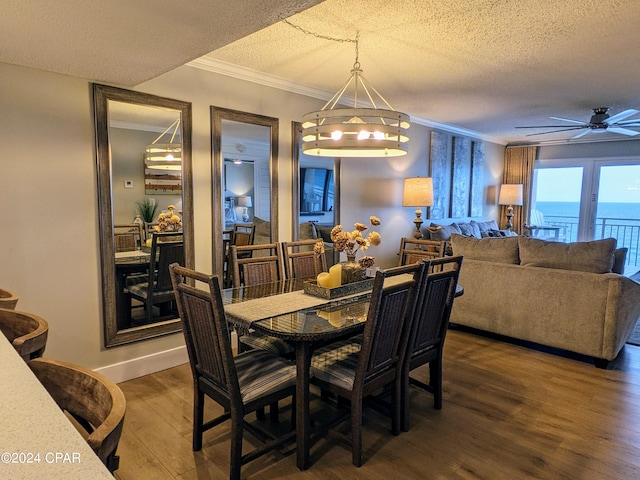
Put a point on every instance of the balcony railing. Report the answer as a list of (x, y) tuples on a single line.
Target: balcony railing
[(626, 231)]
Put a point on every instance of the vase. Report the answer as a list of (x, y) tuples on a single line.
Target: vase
[(351, 271)]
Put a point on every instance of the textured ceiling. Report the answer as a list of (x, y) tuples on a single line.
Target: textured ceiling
[(126, 42), (484, 66)]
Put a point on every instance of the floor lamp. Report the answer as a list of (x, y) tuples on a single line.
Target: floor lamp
[(418, 192), (510, 195)]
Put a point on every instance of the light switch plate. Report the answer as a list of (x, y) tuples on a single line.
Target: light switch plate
[(128, 184)]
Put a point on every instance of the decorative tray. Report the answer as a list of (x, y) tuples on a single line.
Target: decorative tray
[(311, 287)]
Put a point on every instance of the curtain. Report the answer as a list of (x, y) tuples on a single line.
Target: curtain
[(519, 163)]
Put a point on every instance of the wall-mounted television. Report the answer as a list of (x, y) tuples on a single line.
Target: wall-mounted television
[(316, 191)]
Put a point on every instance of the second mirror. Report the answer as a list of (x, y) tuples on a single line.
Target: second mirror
[(245, 186)]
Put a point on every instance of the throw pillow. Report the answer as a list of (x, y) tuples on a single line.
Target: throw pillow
[(307, 231), (469, 229), (486, 226), (442, 233), (595, 256), (263, 231), (499, 250), (619, 258), (324, 232)]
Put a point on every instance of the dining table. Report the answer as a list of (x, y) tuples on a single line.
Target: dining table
[(283, 310)]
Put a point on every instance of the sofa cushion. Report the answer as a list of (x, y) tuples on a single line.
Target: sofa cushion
[(499, 250), (594, 257)]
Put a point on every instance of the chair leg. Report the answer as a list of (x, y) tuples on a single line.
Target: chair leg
[(274, 416), (260, 413), (198, 418), (356, 432), (405, 400), (236, 446), (396, 406), (435, 380)]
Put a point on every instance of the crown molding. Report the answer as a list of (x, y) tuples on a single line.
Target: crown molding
[(243, 73)]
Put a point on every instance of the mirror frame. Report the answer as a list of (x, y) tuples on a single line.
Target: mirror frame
[(296, 143), (217, 115), (102, 94)]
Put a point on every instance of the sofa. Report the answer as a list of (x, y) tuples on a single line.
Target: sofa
[(560, 295)]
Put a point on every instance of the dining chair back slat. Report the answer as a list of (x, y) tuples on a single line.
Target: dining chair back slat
[(127, 237)]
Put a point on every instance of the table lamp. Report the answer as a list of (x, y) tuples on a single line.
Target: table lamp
[(418, 192), (245, 202), (510, 195)]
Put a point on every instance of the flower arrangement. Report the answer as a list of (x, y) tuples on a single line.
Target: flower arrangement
[(168, 221), (351, 242)]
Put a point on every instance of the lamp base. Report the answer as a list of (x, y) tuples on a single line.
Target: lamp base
[(418, 223), (509, 217)]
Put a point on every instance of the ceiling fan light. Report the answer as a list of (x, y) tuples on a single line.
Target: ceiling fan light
[(336, 135)]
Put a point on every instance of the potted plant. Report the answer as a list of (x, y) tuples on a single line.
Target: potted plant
[(147, 209)]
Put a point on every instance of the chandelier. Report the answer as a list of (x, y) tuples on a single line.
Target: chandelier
[(165, 156), (365, 130)]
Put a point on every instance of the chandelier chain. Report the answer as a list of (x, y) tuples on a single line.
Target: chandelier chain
[(326, 37)]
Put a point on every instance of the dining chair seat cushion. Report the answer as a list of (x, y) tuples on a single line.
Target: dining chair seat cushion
[(136, 278), (275, 345), (142, 289), (336, 363), (261, 373)]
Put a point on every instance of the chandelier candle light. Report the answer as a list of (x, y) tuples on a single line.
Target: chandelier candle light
[(364, 130), (510, 194), (418, 192)]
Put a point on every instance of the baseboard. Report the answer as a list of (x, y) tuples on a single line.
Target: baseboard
[(141, 366), (138, 367)]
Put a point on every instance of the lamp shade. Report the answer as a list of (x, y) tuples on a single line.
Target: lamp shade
[(510, 194), (418, 192), (244, 201)]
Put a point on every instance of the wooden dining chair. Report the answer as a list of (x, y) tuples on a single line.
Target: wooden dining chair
[(8, 300), (241, 384), (166, 248), (127, 237), (434, 302), (26, 332), (355, 370), (415, 250), (255, 264), (250, 270), (241, 235), (96, 404), (300, 261)]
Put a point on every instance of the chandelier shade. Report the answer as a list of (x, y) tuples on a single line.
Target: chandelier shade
[(164, 156), (362, 131)]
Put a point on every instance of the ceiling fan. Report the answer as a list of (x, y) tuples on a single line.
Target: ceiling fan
[(600, 122)]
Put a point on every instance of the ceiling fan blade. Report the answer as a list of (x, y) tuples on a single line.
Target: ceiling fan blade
[(579, 122), (623, 131), (556, 131), (629, 122), (581, 134), (552, 126), (621, 116)]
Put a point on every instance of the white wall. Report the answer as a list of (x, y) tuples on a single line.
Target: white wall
[(49, 247)]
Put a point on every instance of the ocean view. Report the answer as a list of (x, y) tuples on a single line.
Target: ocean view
[(605, 210)]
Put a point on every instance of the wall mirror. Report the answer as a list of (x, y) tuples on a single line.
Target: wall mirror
[(245, 180), (143, 148), (316, 186)]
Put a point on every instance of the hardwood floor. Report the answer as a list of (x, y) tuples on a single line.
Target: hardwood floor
[(509, 412)]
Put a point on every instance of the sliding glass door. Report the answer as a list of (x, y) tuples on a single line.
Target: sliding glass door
[(589, 200)]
